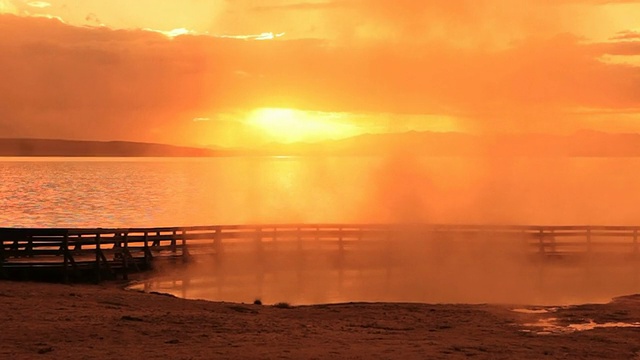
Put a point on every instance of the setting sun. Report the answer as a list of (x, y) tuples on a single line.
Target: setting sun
[(291, 125)]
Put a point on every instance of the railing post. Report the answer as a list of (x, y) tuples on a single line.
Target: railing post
[(156, 241), (218, 267), (261, 260), (125, 257), (259, 244), (588, 263), (589, 241), (359, 246), (635, 242), (541, 241), (388, 257), (173, 241), (65, 252), (98, 267), (300, 257), (2, 256), (78, 244), (30, 245), (217, 244), (340, 257), (15, 249), (185, 251), (147, 252)]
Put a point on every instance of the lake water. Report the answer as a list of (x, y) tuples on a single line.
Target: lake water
[(147, 192), (135, 192), (128, 192)]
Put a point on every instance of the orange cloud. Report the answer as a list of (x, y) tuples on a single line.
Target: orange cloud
[(99, 83)]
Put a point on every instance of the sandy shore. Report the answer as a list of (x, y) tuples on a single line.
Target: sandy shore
[(103, 321)]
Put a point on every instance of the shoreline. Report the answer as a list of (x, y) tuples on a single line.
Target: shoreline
[(106, 321)]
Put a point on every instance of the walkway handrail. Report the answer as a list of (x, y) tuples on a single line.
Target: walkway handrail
[(125, 248)]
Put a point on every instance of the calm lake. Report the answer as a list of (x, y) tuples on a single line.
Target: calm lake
[(137, 192)]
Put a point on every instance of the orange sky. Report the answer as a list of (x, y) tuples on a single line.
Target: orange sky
[(244, 73)]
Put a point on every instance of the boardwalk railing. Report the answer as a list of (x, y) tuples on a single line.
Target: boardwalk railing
[(106, 252)]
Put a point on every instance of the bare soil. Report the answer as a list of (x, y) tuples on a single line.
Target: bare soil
[(104, 321)]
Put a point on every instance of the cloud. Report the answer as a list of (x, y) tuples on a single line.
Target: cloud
[(262, 36), (173, 33), (98, 83), (301, 6), (397, 20), (488, 24), (39, 4), (93, 18), (7, 7), (628, 48), (70, 82), (626, 35)]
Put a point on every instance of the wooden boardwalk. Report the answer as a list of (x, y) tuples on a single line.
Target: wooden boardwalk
[(95, 254)]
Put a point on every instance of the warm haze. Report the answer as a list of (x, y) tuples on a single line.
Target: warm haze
[(239, 73), (269, 155)]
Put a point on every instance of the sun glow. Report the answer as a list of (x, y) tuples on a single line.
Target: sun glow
[(6, 7), (291, 125)]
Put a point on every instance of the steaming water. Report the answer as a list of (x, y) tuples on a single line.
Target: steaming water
[(519, 283), (139, 192)]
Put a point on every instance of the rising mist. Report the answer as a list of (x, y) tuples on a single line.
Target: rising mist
[(407, 189)]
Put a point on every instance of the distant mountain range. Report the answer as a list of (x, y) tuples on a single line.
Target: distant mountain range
[(49, 147), (579, 144)]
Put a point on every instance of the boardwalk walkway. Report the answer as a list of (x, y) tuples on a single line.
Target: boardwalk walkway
[(95, 254)]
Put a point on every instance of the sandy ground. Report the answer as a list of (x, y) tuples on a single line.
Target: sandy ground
[(103, 321)]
